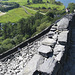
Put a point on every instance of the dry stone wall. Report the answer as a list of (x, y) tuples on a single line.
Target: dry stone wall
[(52, 51), (44, 56)]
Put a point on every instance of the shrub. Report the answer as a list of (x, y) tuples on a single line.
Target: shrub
[(43, 7)]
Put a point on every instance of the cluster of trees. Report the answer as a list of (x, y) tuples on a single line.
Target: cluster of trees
[(12, 34), (37, 1), (5, 6), (34, 1), (71, 6)]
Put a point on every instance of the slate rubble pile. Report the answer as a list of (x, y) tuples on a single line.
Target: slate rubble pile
[(52, 51), (42, 57), (14, 64)]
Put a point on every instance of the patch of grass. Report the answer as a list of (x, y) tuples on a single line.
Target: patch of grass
[(21, 2), (14, 15)]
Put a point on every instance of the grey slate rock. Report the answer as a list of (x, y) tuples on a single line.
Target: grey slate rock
[(48, 66), (49, 42), (59, 56), (55, 36), (50, 34), (63, 23), (54, 27), (53, 30), (32, 65), (62, 37), (58, 48), (45, 50)]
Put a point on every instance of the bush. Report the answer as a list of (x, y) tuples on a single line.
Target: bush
[(49, 8), (17, 39), (43, 7), (50, 14)]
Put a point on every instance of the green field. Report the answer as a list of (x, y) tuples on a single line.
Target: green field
[(14, 15), (21, 2)]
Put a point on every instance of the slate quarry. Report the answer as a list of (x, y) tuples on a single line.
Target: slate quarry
[(43, 56)]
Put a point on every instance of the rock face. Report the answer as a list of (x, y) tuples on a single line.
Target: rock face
[(62, 37), (31, 67)]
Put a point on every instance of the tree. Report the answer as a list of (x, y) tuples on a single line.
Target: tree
[(37, 1), (71, 6), (28, 2), (0, 30), (4, 31), (20, 27)]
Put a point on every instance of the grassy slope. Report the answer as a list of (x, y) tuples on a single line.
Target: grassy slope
[(24, 2), (18, 13), (13, 15)]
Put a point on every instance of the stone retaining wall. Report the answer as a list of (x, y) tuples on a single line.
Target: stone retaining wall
[(53, 51)]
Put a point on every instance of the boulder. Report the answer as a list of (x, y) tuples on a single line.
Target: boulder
[(45, 50), (48, 66), (62, 37), (49, 42), (58, 48), (63, 23), (31, 67)]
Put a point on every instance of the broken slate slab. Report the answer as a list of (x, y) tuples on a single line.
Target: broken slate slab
[(49, 42), (48, 66), (59, 56), (55, 36), (58, 48), (45, 50), (32, 65), (62, 37), (53, 30), (50, 34), (63, 23), (54, 27)]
